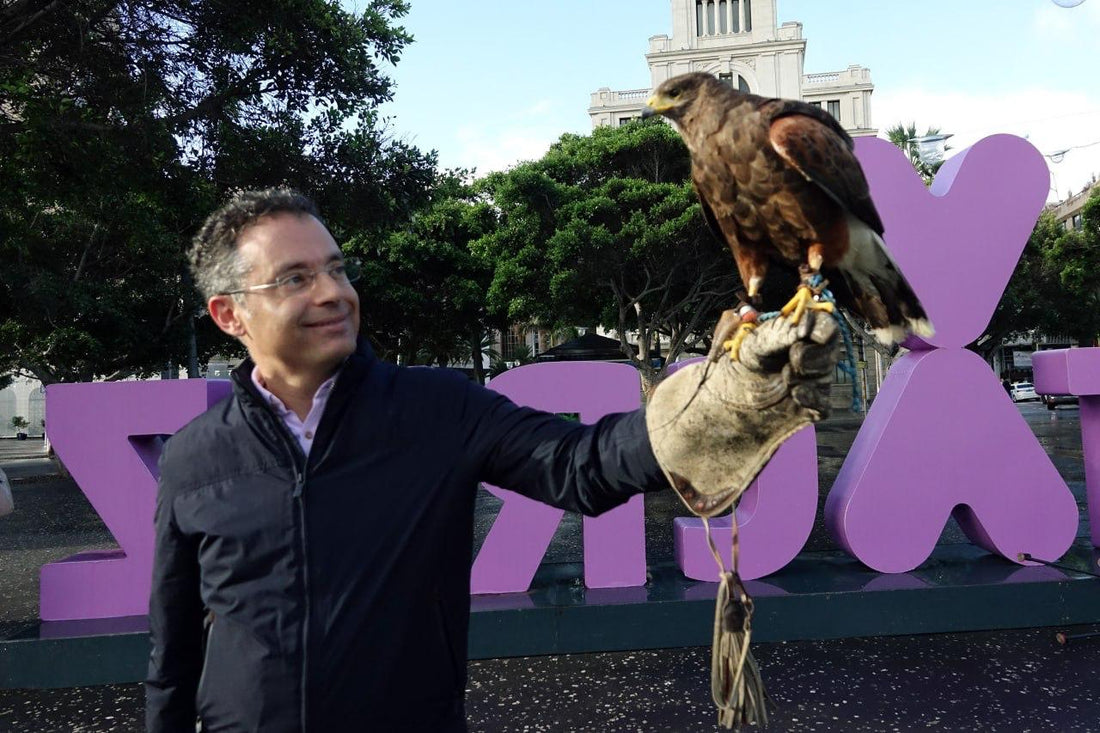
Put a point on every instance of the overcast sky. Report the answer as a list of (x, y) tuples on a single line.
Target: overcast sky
[(489, 83)]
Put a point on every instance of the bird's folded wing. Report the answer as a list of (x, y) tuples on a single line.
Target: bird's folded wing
[(824, 157)]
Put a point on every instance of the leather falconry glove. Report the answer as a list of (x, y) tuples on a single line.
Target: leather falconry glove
[(713, 426)]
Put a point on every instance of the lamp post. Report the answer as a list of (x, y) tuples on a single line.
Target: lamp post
[(931, 148)]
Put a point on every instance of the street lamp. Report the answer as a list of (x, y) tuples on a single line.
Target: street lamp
[(1068, 3), (931, 148)]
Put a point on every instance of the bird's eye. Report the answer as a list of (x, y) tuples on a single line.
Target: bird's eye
[(674, 92)]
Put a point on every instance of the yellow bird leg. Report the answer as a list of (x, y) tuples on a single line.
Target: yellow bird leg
[(733, 346), (803, 301)]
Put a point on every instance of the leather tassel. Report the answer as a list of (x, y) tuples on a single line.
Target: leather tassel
[(735, 681)]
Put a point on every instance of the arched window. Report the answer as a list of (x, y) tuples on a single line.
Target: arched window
[(7, 410), (36, 412), (742, 83)]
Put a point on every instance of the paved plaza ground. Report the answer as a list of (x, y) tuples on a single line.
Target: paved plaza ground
[(1015, 680)]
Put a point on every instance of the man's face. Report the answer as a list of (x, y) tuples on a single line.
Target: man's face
[(305, 334)]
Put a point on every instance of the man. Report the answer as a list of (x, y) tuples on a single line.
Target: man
[(319, 521)]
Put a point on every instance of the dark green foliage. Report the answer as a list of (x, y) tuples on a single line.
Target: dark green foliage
[(123, 124), (606, 230), (1055, 289), (423, 291)]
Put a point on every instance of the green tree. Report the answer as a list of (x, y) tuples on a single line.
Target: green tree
[(1055, 289), (423, 293), (123, 124), (1072, 262), (1029, 294), (605, 229)]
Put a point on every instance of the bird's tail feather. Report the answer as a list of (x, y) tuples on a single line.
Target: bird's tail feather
[(878, 291)]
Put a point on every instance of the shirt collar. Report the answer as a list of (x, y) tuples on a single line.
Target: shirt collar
[(280, 408)]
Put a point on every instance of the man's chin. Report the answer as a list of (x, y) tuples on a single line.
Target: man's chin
[(340, 350), (330, 352)]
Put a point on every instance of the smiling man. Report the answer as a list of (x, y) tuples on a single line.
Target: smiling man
[(314, 530)]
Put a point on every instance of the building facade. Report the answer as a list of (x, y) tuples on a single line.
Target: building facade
[(742, 43), (25, 398), (1068, 212)]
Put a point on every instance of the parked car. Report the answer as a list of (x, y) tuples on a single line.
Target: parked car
[(1023, 391), (1053, 400)]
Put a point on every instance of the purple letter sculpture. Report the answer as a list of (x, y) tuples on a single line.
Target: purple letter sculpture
[(1077, 372), (774, 522), (614, 544), (942, 436), (106, 435), (774, 516)]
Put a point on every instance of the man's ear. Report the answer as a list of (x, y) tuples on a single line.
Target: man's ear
[(226, 312)]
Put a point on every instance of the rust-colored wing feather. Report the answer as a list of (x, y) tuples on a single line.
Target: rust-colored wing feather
[(813, 143)]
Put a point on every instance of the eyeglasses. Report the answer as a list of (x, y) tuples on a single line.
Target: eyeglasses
[(299, 281)]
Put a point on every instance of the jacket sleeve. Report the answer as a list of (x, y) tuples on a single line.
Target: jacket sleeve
[(175, 627), (585, 468)]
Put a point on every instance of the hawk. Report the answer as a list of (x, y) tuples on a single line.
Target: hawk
[(779, 183)]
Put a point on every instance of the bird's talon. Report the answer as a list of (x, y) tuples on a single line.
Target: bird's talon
[(733, 346), (804, 299)]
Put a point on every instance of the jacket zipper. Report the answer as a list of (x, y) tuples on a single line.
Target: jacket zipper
[(298, 494), (300, 463)]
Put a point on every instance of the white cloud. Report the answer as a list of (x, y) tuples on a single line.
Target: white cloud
[(497, 148), (1050, 120)]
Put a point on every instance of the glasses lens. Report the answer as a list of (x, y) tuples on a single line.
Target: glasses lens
[(294, 282), (352, 269)]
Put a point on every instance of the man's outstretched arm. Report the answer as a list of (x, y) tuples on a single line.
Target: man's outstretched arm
[(708, 430)]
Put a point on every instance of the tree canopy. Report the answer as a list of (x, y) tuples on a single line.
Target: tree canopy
[(122, 124), (606, 230), (1055, 289), (423, 292)]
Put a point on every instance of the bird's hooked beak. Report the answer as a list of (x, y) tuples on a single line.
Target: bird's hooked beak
[(657, 104)]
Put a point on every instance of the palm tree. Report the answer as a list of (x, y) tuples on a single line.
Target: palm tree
[(905, 136)]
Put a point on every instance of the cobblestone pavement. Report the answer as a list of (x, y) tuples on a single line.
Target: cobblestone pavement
[(995, 681)]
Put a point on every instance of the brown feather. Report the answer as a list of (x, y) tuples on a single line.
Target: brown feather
[(776, 176)]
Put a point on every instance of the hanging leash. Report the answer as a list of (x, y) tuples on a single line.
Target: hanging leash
[(735, 682)]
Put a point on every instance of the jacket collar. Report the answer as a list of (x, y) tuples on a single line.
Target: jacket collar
[(358, 363), (348, 378)]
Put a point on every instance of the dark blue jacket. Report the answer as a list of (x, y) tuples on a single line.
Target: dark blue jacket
[(337, 588)]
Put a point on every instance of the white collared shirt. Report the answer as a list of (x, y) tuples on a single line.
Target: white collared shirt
[(302, 430)]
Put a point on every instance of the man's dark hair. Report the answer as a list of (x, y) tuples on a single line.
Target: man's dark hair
[(216, 265)]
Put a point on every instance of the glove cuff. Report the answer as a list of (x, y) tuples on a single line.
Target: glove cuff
[(713, 430)]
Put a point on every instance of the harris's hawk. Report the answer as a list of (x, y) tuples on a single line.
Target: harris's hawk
[(779, 183)]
